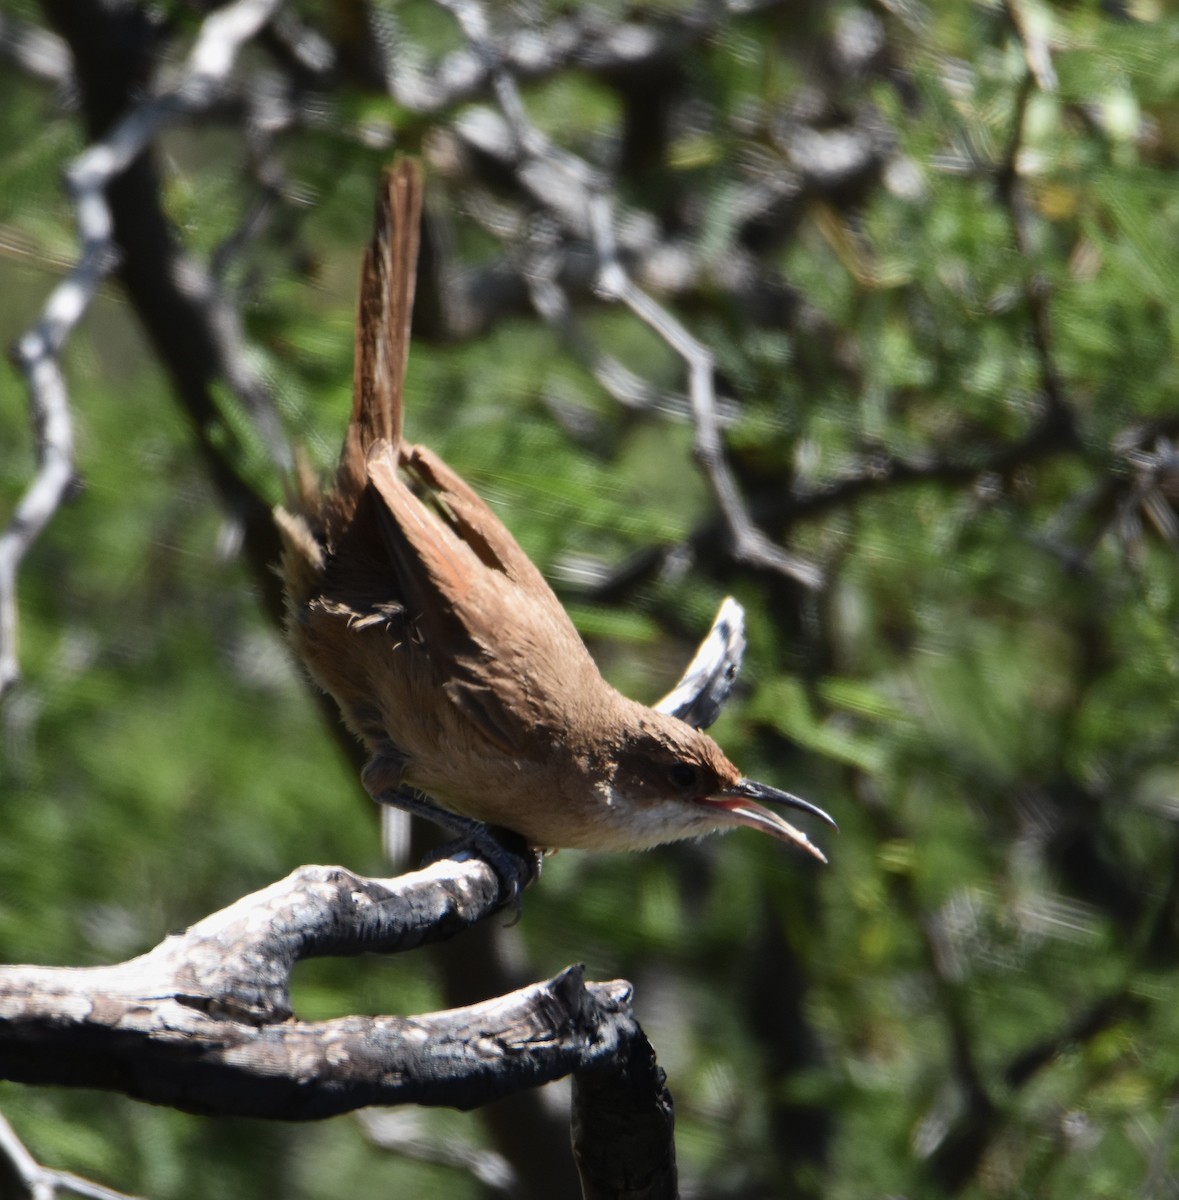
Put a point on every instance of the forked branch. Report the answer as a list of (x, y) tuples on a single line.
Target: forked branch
[(203, 1021)]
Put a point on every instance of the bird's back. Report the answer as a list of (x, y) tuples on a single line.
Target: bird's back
[(411, 603)]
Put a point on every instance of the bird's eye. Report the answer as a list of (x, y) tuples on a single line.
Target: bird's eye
[(683, 776)]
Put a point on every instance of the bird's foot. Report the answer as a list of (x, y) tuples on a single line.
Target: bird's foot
[(514, 864)]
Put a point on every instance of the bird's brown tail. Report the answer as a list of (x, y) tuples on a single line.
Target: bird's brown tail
[(312, 523), (383, 322)]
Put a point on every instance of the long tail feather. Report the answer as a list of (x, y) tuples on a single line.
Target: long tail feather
[(383, 324)]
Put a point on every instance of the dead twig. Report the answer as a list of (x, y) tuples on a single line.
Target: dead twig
[(579, 197), (36, 354), (22, 1176)]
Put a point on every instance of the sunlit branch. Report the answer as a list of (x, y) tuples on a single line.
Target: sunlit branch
[(579, 195), (36, 354)]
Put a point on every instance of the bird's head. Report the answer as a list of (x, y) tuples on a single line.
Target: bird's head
[(675, 782)]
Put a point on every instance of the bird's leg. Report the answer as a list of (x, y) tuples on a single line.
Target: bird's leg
[(513, 862)]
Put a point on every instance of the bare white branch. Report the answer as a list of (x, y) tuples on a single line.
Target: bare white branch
[(221, 36), (38, 52), (749, 543), (1032, 26), (567, 185), (43, 1183), (404, 1132)]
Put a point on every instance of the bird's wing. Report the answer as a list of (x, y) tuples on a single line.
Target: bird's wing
[(475, 596)]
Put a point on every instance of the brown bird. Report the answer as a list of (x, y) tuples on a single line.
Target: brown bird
[(448, 653)]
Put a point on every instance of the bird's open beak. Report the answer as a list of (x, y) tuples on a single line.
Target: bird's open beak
[(741, 803)]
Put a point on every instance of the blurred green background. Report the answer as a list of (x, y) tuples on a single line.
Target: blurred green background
[(941, 288)]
